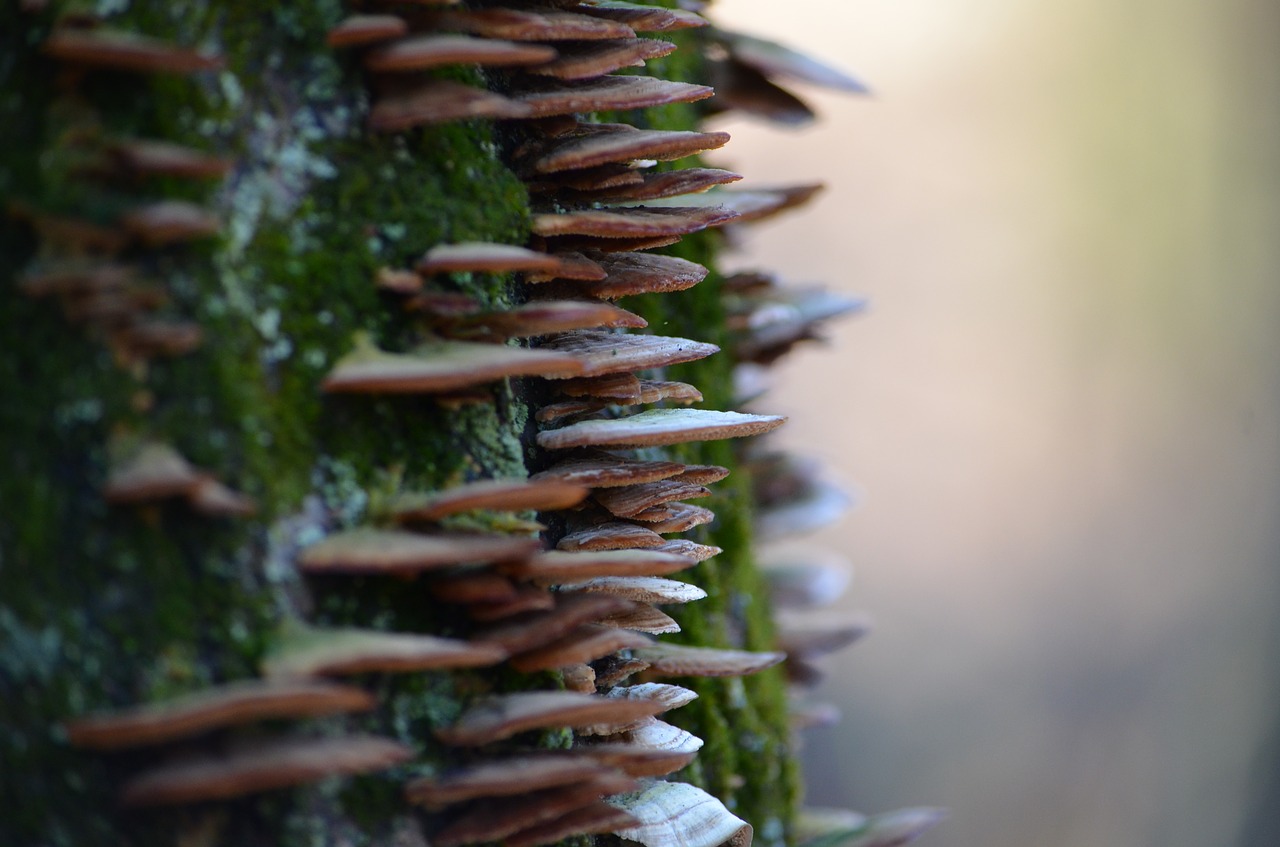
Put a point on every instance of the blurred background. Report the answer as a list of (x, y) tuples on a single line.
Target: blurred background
[(1062, 408)]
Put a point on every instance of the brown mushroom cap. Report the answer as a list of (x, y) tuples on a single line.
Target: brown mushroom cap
[(611, 535), (149, 471), (440, 101), (619, 387), (528, 598), (162, 158), (656, 391), (544, 317), (802, 716), (613, 670), (78, 235), (642, 760), (642, 589), (502, 717), (585, 644), (610, 92), (633, 221), (600, 244), (142, 339), (677, 517), (535, 629), (501, 494), (680, 660), (629, 501), (579, 678), (211, 497), (643, 273), (315, 652), (423, 52), (441, 366), (643, 18), (126, 51), (572, 265), (659, 427), (359, 30), (594, 818), (749, 206), (584, 182), (493, 820), (369, 550), (529, 25), (702, 474), (659, 185), (598, 58), (742, 88), (485, 257), (473, 586), (569, 408), (599, 144), (502, 778), (683, 546), (601, 352), (808, 634), (170, 222), (214, 707), (264, 766), (775, 60), (642, 617), (80, 276), (563, 566)]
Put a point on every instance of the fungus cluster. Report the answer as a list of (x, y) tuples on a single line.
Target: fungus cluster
[(578, 595)]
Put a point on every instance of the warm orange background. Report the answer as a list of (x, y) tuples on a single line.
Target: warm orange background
[(1063, 407)]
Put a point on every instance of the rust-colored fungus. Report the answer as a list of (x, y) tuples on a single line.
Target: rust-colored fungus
[(361, 30), (214, 707), (659, 426), (126, 51), (423, 52), (266, 765), (369, 550), (502, 717), (502, 778), (609, 92), (317, 652), (440, 101), (441, 366)]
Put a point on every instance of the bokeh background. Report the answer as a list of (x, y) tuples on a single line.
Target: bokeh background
[(1062, 408)]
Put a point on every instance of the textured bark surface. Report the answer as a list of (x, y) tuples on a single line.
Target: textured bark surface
[(107, 605)]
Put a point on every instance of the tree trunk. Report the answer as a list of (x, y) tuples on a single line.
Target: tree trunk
[(213, 349)]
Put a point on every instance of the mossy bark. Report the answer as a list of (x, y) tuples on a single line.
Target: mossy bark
[(103, 606)]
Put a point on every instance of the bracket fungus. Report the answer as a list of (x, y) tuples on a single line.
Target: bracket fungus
[(215, 707), (441, 366), (275, 764), (369, 550)]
